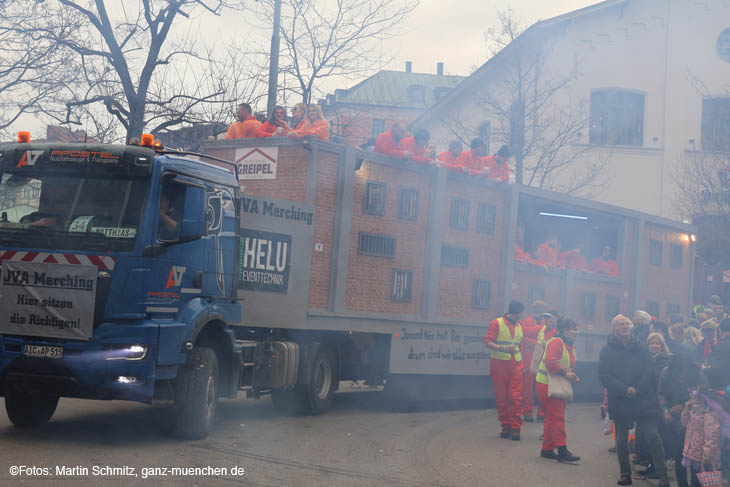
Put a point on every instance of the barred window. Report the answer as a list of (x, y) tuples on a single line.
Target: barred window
[(374, 198), (459, 219), (587, 306), (675, 256), (613, 307), (454, 256), (481, 294), (486, 218), (673, 309), (375, 245), (655, 252), (402, 285), (653, 308), (535, 293), (408, 204)]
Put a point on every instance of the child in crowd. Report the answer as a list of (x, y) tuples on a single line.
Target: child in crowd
[(702, 442)]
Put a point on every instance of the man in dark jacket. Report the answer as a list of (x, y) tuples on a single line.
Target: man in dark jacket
[(625, 370), (718, 361), (642, 326)]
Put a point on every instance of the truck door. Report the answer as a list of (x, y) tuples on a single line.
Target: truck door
[(220, 219)]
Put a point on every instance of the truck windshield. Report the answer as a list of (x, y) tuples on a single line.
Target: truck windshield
[(68, 212)]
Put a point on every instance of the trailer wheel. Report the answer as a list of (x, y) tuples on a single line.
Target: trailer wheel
[(26, 409), (196, 394), (318, 396)]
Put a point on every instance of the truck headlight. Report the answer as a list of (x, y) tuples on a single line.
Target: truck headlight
[(131, 352)]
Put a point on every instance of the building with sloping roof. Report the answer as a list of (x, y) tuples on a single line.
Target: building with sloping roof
[(373, 105), (648, 80)]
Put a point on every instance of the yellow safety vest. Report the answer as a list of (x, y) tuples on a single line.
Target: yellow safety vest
[(541, 335), (504, 338), (542, 372)]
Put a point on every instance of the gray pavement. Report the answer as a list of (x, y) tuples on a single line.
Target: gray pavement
[(362, 442)]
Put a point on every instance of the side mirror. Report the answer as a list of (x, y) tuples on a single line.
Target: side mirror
[(193, 223)]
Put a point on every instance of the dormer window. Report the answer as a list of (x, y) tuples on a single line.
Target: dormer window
[(417, 93)]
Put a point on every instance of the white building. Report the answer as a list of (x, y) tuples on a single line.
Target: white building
[(652, 78)]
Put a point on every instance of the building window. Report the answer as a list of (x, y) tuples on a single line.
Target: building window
[(617, 118), (402, 285), (535, 293), (440, 92), (375, 245), (486, 218), (673, 309), (723, 45), (675, 256), (484, 133), (459, 219), (481, 294), (454, 256), (417, 93), (655, 252), (716, 124), (613, 307), (652, 307), (378, 127), (408, 204), (587, 306), (374, 199)]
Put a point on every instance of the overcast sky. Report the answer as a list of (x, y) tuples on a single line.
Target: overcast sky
[(452, 31)]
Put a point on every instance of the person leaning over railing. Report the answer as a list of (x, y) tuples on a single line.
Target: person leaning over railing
[(317, 125)]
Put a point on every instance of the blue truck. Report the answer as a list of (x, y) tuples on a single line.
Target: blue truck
[(118, 282)]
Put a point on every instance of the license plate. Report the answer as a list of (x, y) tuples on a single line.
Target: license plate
[(43, 351)]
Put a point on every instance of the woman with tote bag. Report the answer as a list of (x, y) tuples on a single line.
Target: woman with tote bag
[(554, 388)]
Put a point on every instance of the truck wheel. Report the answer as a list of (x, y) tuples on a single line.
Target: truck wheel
[(196, 394), (319, 394), (26, 409)]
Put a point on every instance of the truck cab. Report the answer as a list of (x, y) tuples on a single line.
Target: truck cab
[(116, 277)]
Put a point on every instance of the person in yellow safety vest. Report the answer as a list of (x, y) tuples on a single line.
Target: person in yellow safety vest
[(558, 358), (503, 339), (533, 328)]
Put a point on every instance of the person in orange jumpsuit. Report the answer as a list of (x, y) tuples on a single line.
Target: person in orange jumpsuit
[(559, 358), (604, 264), (246, 126), (548, 252), (275, 125), (574, 259), (520, 254), (299, 118), (503, 339), (317, 125), (449, 159), (531, 327), (473, 160), (418, 146), (498, 167), (388, 142), (552, 318)]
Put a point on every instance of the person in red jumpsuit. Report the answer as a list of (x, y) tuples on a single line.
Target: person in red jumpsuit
[(548, 252), (449, 159), (417, 146), (531, 327), (574, 259), (559, 359), (388, 142), (605, 264), (473, 160), (498, 167), (503, 339)]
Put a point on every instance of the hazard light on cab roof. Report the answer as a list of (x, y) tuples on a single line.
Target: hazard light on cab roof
[(148, 140), (23, 137)]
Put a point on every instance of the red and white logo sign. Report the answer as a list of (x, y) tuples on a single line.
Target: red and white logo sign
[(175, 277), (257, 163), (29, 158)]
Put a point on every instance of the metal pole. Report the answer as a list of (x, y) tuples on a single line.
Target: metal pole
[(274, 61)]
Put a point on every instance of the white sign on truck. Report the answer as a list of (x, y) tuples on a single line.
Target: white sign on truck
[(48, 300), (257, 162)]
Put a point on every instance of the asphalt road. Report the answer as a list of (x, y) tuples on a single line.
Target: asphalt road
[(362, 442)]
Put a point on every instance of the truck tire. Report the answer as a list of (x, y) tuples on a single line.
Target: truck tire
[(318, 396), (196, 394), (26, 409)]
